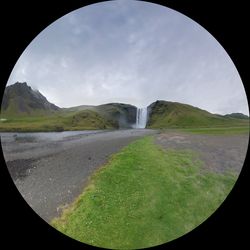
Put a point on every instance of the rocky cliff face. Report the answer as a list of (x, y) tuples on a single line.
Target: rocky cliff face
[(157, 108), (121, 115), (20, 98)]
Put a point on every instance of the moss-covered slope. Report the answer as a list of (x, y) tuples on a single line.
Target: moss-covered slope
[(163, 114)]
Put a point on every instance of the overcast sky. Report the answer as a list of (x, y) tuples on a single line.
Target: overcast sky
[(131, 52)]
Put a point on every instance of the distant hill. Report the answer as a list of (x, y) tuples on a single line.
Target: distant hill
[(237, 116), (87, 119), (25, 109), (79, 108), (164, 114), (120, 114), (21, 99)]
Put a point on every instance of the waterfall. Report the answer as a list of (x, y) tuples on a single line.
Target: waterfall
[(141, 117)]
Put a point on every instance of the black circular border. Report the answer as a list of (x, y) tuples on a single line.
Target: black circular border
[(22, 21)]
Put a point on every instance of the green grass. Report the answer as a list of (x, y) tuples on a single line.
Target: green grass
[(59, 121), (177, 115), (107, 116), (219, 131), (144, 196)]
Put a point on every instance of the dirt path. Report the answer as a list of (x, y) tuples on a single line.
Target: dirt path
[(51, 173), (219, 152)]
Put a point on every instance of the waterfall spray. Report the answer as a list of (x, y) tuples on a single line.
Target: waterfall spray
[(141, 117)]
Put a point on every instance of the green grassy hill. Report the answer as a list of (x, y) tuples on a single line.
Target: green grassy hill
[(163, 114), (25, 109), (110, 116), (121, 115), (59, 121)]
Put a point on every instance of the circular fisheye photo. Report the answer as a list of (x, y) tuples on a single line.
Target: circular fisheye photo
[(124, 125)]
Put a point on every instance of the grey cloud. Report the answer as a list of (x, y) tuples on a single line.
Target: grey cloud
[(134, 52)]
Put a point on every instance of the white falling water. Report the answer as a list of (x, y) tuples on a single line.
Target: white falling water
[(141, 117)]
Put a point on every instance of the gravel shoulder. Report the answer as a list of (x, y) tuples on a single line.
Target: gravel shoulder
[(219, 153)]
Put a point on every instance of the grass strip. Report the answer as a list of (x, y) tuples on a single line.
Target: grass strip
[(219, 131), (144, 196)]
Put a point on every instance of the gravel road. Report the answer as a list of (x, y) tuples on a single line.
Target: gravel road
[(50, 171)]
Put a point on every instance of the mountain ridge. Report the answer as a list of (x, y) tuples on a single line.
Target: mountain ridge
[(20, 100)]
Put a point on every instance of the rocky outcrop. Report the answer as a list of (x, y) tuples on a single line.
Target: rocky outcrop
[(21, 98)]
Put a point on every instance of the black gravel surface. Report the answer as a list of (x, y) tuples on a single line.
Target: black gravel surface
[(51, 173), (219, 153)]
